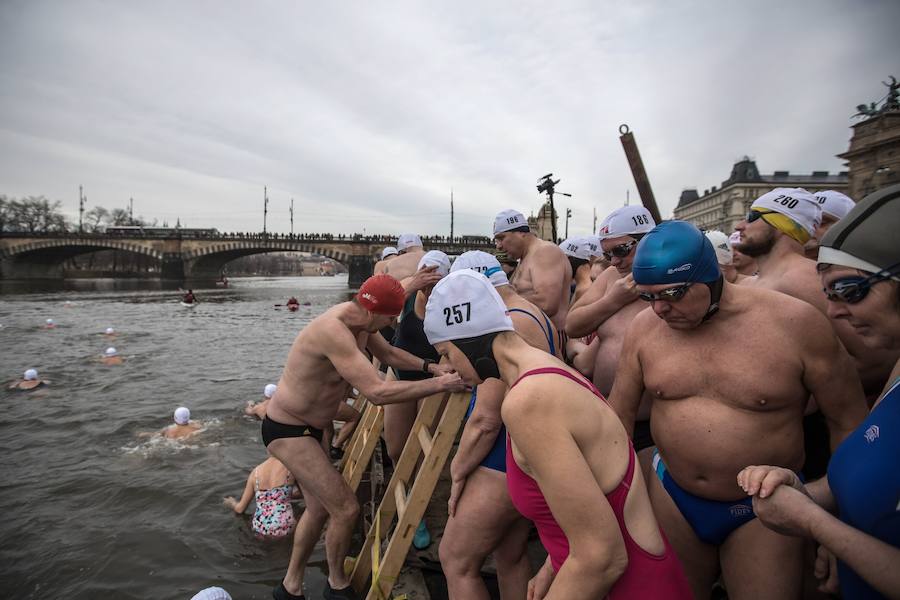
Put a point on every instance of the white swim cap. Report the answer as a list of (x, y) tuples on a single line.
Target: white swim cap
[(593, 245), (111, 352), (110, 331), (31, 375), (407, 241), (509, 219), (483, 262), (49, 321), (212, 593), (796, 204), (182, 415), (389, 251), (576, 248), (269, 390), (834, 204), (435, 258), (721, 245), (627, 220), (464, 304)]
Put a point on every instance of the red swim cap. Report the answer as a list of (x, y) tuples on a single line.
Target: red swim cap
[(382, 294)]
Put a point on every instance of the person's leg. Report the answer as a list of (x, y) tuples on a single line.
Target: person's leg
[(699, 560), (321, 483), (511, 558), (484, 515), (306, 535), (759, 563)]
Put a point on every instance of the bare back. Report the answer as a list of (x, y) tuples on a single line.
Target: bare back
[(532, 330), (544, 277), (311, 389), (403, 265)]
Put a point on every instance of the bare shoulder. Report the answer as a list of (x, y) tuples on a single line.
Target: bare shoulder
[(644, 325), (779, 307), (547, 251), (531, 400)]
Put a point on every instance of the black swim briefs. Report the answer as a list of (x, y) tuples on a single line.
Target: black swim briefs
[(273, 430)]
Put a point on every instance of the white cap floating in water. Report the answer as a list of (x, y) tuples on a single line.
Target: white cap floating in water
[(31, 375), (49, 321), (110, 331), (212, 593), (269, 390), (182, 415), (111, 352)]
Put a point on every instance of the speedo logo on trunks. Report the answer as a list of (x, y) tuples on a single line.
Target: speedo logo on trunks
[(872, 433), (684, 267), (740, 510)]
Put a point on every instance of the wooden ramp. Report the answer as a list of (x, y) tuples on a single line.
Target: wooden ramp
[(406, 496)]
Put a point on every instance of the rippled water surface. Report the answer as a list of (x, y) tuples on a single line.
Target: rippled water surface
[(89, 509)]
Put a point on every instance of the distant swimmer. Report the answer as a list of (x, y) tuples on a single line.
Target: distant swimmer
[(543, 275), (183, 426), (293, 304), (111, 357), (30, 381), (49, 324), (110, 332), (259, 408), (189, 298)]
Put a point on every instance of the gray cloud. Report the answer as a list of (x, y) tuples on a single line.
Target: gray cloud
[(368, 115)]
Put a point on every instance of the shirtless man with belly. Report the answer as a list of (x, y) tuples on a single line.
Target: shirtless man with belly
[(611, 303), (717, 405), (324, 361), (543, 276)]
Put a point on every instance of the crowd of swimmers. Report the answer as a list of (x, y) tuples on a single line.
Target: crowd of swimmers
[(673, 410)]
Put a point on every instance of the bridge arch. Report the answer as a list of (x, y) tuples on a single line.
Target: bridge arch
[(209, 259), (43, 258)]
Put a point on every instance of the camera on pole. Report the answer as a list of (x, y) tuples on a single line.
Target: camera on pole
[(546, 185)]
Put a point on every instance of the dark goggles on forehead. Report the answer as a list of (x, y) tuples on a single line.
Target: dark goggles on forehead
[(855, 288), (671, 295), (620, 251)]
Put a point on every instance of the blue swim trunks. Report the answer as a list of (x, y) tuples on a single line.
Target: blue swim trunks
[(712, 520), (496, 458)]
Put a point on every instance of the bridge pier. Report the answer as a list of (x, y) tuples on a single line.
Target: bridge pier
[(361, 268), (172, 267)]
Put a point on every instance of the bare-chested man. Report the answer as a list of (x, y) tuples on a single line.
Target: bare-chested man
[(718, 405), (387, 254), (324, 361), (610, 304), (543, 275), (482, 519), (409, 253)]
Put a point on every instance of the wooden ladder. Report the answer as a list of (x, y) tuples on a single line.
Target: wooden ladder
[(408, 506), (362, 443)]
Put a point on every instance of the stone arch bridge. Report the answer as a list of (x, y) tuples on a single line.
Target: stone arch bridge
[(203, 255)]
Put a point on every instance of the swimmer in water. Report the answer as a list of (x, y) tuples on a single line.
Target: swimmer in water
[(110, 332), (49, 324), (183, 426), (271, 486), (30, 381), (111, 357), (259, 409)]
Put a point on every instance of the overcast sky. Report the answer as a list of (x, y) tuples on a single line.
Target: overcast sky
[(368, 113)]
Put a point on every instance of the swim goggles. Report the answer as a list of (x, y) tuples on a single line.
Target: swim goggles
[(670, 295), (755, 215), (854, 289), (620, 251)]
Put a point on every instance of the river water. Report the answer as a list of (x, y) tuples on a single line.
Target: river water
[(91, 510)]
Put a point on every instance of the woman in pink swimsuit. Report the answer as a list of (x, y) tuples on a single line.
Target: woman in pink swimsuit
[(570, 465)]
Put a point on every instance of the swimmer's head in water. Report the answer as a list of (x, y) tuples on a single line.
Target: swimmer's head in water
[(407, 241), (676, 253), (484, 263), (182, 415), (110, 352), (388, 251), (31, 375), (435, 258), (381, 294), (110, 331), (269, 390), (49, 322), (466, 310)]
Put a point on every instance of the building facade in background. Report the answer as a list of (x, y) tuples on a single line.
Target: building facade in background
[(542, 224), (722, 207)]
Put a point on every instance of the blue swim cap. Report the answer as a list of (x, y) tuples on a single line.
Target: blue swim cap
[(675, 252)]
